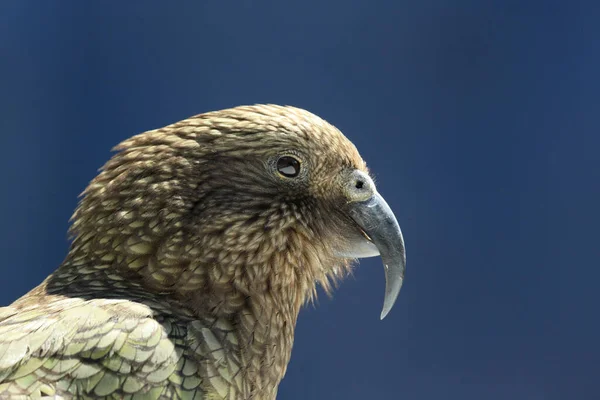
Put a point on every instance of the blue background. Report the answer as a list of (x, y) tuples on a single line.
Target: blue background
[(480, 120)]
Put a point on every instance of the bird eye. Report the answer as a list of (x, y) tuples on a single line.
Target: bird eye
[(288, 166)]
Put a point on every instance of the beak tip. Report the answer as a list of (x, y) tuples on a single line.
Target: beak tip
[(393, 286)]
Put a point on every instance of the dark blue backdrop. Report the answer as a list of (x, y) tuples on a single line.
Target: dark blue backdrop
[(479, 119)]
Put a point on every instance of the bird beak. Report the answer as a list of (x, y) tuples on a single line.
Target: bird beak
[(380, 227)]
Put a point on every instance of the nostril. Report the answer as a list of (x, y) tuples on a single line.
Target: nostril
[(359, 184)]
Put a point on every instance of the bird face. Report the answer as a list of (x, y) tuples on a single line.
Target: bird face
[(306, 178)]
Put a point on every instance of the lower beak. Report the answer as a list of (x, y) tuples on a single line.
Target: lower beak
[(378, 223)]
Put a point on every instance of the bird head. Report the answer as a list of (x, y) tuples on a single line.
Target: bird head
[(248, 201)]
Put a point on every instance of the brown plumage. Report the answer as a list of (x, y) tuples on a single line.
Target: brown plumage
[(193, 251)]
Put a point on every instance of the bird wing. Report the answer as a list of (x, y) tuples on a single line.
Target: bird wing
[(100, 348)]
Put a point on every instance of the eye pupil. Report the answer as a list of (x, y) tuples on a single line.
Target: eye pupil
[(288, 166)]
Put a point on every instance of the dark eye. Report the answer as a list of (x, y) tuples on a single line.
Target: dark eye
[(288, 166)]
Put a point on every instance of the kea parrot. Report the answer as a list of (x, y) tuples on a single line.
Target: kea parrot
[(193, 251)]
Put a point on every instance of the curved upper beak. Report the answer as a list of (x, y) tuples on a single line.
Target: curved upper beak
[(378, 223)]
